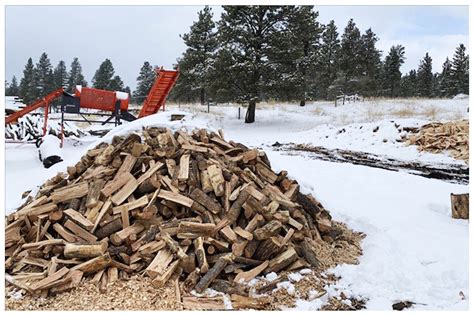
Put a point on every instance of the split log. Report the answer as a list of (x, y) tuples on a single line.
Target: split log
[(49, 281), (229, 287), (109, 228), (217, 179), (194, 230), (119, 197), (175, 197), (201, 255), (309, 253), (203, 303), (282, 260), (202, 198), (79, 219), (249, 275), (268, 230), (160, 280), (94, 265), (191, 280), (94, 192), (183, 173), (84, 251), (79, 231), (213, 273), (244, 302)]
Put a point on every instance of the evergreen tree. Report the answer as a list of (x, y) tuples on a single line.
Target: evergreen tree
[(28, 83), (391, 70), (350, 60), (104, 75), (293, 51), (44, 76), (13, 89), (436, 84), (371, 64), (60, 75), (425, 77), (195, 64), (447, 85), (116, 84), (461, 70), (327, 61), (145, 81), (245, 32), (75, 76), (408, 84)]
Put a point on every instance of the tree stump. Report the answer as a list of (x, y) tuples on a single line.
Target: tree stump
[(460, 205)]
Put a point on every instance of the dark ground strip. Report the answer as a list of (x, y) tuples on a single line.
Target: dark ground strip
[(447, 172)]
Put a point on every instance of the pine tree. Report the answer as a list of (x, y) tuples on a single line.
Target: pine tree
[(408, 84), (350, 60), (328, 58), (245, 32), (371, 64), (293, 51), (75, 76), (425, 77), (447, 85), (391, 70), (13, 89), (461, 70), (28, 83), (116, 84), (104, 75), (44, 76), (145, 81), (196, 62), (60, 75)]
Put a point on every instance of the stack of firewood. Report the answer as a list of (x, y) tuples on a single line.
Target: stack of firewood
[(210, 212), (438, 137)]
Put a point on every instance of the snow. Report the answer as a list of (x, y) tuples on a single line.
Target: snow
[(287, 285), (295, 276), (272, 276), (461, 96), (413, 250), (50, 146), (14, 103), (121, 95)]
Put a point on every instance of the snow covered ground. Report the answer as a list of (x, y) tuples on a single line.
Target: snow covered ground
[(413, 250)]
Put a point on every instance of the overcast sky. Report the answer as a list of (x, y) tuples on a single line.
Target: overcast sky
[(129, 35)]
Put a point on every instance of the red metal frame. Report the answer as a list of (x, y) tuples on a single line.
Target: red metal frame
[(164, 82), (36, 105)]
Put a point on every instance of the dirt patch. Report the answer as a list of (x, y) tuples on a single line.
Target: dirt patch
[(452, 173)]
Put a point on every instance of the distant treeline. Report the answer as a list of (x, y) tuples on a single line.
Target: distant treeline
[(256, 53)]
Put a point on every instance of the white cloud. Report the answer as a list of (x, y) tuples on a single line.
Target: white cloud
[(438, 47)]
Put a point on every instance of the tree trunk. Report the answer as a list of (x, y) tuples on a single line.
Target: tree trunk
[(203, 96), (250, 116)]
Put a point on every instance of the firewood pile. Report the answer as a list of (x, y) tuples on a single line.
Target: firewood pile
[(210, 212), (438, 137), (30, 127)]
